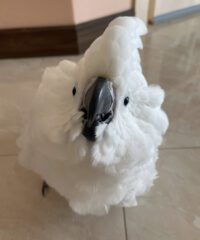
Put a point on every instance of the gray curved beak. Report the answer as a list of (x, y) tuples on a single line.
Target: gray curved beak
[(98, 106)]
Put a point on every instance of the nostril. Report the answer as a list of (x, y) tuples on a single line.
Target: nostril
[(103, 117), (106, 116)]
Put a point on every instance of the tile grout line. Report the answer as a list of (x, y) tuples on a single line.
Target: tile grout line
[(161, 149), (9, 155), (125, 224), (178, 148)]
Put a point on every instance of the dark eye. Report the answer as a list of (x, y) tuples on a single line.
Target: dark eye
[(126, 101), (74, 91)]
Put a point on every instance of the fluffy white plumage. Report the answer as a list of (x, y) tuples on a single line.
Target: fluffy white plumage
[(121, 164)]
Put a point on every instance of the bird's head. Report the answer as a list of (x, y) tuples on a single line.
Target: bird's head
[(106, 73), (112, 113)]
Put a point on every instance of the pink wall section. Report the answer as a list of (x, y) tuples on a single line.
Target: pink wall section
[(85, 10), (39, 13), (32, 13)]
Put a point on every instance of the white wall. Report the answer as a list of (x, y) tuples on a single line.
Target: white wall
[(141, 9), (166, 6), (148, 9)]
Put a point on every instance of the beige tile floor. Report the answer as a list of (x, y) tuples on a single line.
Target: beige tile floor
[(171, 210)]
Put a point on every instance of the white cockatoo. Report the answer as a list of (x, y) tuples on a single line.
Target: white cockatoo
[(95, 126)]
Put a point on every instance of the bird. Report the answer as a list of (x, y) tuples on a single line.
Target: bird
[(95, 126)]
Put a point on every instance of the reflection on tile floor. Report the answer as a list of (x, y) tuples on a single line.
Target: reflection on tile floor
[(171, 57), (171, 210)]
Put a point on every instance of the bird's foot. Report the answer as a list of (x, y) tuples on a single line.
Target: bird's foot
[(45, 188)]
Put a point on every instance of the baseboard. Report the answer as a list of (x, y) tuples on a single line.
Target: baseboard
[(51, 41), (32, 42), (175, 14)]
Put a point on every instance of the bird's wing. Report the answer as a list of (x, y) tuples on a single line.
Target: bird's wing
[(150, 101), (54, 106)]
